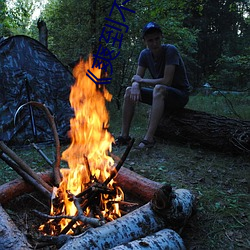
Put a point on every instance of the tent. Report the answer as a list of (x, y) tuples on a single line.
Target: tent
[(30, 72)]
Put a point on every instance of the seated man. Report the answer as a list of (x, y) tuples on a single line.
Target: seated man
[(168, 89)]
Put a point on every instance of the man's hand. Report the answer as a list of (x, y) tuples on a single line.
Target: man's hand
[(136, 78), (135, 93)]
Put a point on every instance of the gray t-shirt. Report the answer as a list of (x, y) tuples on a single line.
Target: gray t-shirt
[(171, 56)]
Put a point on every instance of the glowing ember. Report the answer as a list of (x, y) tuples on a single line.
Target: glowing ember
[(88, 155)]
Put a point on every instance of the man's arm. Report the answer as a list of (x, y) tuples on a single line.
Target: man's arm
[(135, 93), (166, 80)]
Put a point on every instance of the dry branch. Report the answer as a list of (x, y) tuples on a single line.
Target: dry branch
[(23, 165), (25, 176)]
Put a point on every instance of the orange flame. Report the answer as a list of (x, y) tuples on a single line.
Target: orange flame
[(87, 156)]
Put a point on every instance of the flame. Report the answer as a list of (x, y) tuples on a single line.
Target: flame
[(88, 155)]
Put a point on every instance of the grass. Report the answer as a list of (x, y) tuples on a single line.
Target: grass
[(220, 181)]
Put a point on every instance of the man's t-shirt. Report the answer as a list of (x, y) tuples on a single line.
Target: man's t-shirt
[(171, 56)]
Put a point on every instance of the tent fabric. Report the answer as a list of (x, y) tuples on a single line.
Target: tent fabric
[(30, 72)]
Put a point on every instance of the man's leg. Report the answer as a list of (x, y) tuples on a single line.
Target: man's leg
[(157, 111), (128, 110)]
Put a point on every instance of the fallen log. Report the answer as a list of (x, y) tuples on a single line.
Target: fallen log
[(150, 218), (212, 131), (10, 237), (161, 240)]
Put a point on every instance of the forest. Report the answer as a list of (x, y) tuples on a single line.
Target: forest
[(213, 36)]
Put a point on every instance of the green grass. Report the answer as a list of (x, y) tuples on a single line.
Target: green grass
[(220, 181), (233, 106)]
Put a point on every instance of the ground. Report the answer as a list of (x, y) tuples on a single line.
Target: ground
[(219, 180)]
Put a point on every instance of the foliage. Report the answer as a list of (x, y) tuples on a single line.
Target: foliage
[(212, 36), (223, 31), (232, 72)]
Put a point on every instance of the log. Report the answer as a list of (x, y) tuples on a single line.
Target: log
[(18, 187), (211, 131), (131, 182), (136, 185), (10, 237), (150, 218), (161, 240)]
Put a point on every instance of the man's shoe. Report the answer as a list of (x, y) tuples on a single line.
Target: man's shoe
[(121, 141)]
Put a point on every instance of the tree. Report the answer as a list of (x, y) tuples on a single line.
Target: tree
[(223, 32)]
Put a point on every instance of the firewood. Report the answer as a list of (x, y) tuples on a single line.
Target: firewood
[(26, 176), (140, 187), (136, 185), (161, 240), (18, 187), (10, 237), (150, 218)]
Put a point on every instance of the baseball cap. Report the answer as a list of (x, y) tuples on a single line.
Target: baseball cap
[(150, 26)]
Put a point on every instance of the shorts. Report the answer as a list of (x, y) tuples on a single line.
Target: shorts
[(174, 100)]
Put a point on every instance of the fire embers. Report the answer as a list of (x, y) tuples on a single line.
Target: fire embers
[(95, 206)]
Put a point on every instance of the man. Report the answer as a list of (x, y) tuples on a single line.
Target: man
[(169, 84)]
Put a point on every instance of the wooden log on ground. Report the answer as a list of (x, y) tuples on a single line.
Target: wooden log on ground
[(163, 239), (212, 131), (140, 187), (18, 187), (131, 182), (148, 219), (10, 237)]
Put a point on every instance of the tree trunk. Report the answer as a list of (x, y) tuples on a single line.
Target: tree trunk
[(212, 131), (43, 32), (10, 237)]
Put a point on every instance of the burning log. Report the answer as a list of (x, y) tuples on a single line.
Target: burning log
[(165, 210), (216, 132), (10, 237), (163, 239)]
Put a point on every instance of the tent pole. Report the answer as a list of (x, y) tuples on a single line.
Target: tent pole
[(33, 125)]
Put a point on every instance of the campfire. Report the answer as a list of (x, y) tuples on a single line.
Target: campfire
[(87, 188), (87, 198)]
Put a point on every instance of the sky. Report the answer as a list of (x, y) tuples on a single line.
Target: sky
[(38, 3)]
